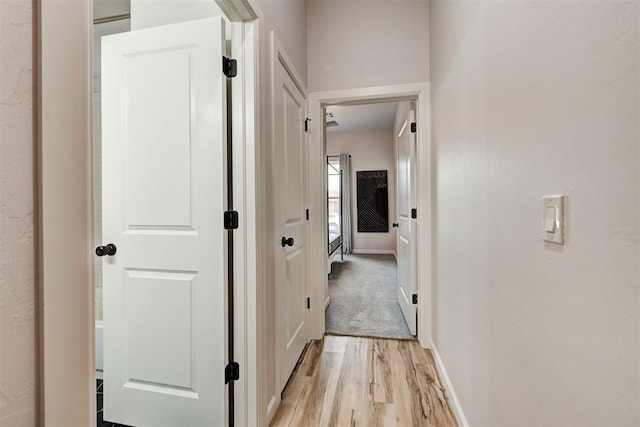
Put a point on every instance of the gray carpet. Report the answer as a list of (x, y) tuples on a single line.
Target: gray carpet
[(364, 298)]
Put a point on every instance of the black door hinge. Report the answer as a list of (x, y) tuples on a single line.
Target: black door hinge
[(306, 124), (306, 214), (232, 372), (414, 127), (414, 298), (229, 67), (231, 220), (308, 302), (414, 213)]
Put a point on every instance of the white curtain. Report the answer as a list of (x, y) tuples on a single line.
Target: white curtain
[(345, 167)]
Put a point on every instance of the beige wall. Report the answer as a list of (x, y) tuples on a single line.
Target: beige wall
[(17, 285), (370, 150), (533, 98), (355, 44)]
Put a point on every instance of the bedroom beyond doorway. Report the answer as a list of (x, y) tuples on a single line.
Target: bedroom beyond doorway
[(362, 173), (364, 298)]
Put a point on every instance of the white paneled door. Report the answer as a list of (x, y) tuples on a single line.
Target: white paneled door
[(407, 241), (164, 196), (291, 225)]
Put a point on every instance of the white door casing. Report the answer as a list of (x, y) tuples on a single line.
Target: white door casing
[(164, 193), (290, 179), (406, 201)]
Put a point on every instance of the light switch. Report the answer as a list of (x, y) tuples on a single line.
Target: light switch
[(550, 219), (553, 219)]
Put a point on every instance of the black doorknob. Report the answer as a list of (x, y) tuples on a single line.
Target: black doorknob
[(395, 225), (287, 242), (109, 250)]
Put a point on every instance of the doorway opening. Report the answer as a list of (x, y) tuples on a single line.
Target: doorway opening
[(365, 184), (415, 127), (159, 353)]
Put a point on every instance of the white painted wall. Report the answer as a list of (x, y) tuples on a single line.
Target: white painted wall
[(18, 404), (354, 44), (534, 98), (370, 150)]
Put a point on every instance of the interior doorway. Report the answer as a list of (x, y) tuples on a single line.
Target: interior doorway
[(362, 296), (415, 96), (194, 382)]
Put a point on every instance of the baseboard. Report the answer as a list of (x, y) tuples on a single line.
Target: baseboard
[(272, 407), (373, 251), (326, 303), (453, 398)]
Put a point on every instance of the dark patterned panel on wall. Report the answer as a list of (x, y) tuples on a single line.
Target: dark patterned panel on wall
[(373, 202)]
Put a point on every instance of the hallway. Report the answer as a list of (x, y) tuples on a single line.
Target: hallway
[(364, 382)]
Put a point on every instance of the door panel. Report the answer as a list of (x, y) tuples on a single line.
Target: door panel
[(164, 195), (167, 125), (406, 199), (290, 181)]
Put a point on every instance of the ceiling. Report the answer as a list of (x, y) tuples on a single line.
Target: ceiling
[(363, 117)]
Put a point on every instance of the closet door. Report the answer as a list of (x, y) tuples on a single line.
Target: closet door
[(164, 195), (291, 199)]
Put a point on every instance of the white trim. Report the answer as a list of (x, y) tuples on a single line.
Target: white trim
[(451, 394), (373, 252), (426, 203), (238, 11), (272, 407), (327, 302), (253, 343)]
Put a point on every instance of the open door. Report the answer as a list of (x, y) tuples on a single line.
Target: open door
[(164, 197), (406, 199)]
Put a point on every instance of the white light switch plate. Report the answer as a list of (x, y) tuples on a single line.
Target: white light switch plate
[(553, 219)]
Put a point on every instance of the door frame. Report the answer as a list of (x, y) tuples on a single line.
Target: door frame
[(64, 230), (426, 176)]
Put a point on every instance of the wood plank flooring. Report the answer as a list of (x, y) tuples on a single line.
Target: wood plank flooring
[(358, 381)]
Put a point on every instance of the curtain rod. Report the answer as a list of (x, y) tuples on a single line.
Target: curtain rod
[(114, 18)]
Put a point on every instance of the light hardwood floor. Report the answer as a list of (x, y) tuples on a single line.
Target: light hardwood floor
[(357, 381)]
